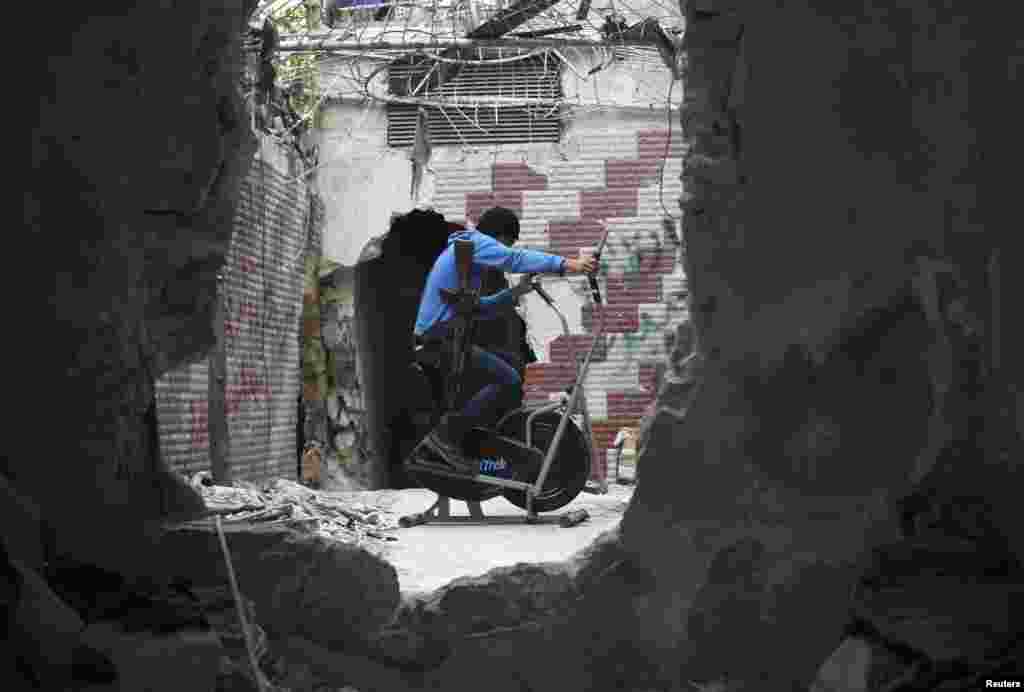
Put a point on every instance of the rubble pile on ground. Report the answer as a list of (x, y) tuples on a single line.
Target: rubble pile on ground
[(68, 624), (326, 514)]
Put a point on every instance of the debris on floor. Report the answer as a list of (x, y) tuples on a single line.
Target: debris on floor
[(573, 517), (285, 501)]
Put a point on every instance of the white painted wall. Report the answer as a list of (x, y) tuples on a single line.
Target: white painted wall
[(361, 180)]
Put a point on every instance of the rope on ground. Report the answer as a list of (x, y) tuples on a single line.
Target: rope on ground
[(242, 619)]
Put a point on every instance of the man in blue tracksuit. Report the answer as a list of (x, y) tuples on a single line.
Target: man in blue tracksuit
[(492, 247)]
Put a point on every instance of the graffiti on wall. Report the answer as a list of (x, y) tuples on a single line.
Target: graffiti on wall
[(277, 221), (200, 423), (239, 313), (654, 334), (246, 324), (641, 250), (249, 387), (643, 288)]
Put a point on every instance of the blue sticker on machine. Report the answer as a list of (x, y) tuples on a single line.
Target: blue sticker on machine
[(499, 468)]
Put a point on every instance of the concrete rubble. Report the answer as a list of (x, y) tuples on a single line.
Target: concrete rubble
[(73, 625), (283, 501), (322, 608)]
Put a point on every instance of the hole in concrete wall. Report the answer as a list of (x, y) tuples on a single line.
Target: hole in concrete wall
[(387, 292), (388, 285)]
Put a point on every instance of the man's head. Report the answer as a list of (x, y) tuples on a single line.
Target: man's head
[(501, 224)]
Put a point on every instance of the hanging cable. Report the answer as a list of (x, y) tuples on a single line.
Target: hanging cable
[(664, 159)]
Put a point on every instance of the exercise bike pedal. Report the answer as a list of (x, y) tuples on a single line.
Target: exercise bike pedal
[(428, 466), (416, 461)]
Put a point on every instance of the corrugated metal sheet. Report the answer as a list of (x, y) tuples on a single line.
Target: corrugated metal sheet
[(276, 224), (607, 172), (181, 401)]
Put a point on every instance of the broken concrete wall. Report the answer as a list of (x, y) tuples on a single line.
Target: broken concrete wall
[(844, 134), (317, 365), (844, 309), (841, 456), (388, 280), (345, 407), (278, 225), (139, 144), (335, 434)]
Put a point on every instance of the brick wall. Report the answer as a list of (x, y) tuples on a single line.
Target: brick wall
[(606, 172)]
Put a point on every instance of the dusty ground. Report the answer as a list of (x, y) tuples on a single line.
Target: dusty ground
[(431, 555)]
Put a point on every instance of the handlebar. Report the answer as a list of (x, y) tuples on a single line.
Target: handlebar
[(595, 288)]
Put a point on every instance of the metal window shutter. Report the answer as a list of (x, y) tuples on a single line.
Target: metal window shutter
[(473, 120)]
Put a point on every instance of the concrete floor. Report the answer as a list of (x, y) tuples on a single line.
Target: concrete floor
[(431, 555)]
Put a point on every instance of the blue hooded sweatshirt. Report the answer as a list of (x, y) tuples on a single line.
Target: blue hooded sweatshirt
[(487, 252)]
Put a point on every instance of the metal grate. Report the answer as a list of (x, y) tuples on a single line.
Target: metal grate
[(479, 103)]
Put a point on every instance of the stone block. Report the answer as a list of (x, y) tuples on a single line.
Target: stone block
[(328, 591), (147, 662)]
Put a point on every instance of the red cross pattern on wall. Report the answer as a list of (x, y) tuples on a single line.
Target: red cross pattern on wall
[(642, 284)]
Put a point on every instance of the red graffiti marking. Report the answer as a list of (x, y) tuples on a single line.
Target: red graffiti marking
[(200, 423), (232, 399), (248, 388), (232, 328), (247, 311), (247, 263)]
